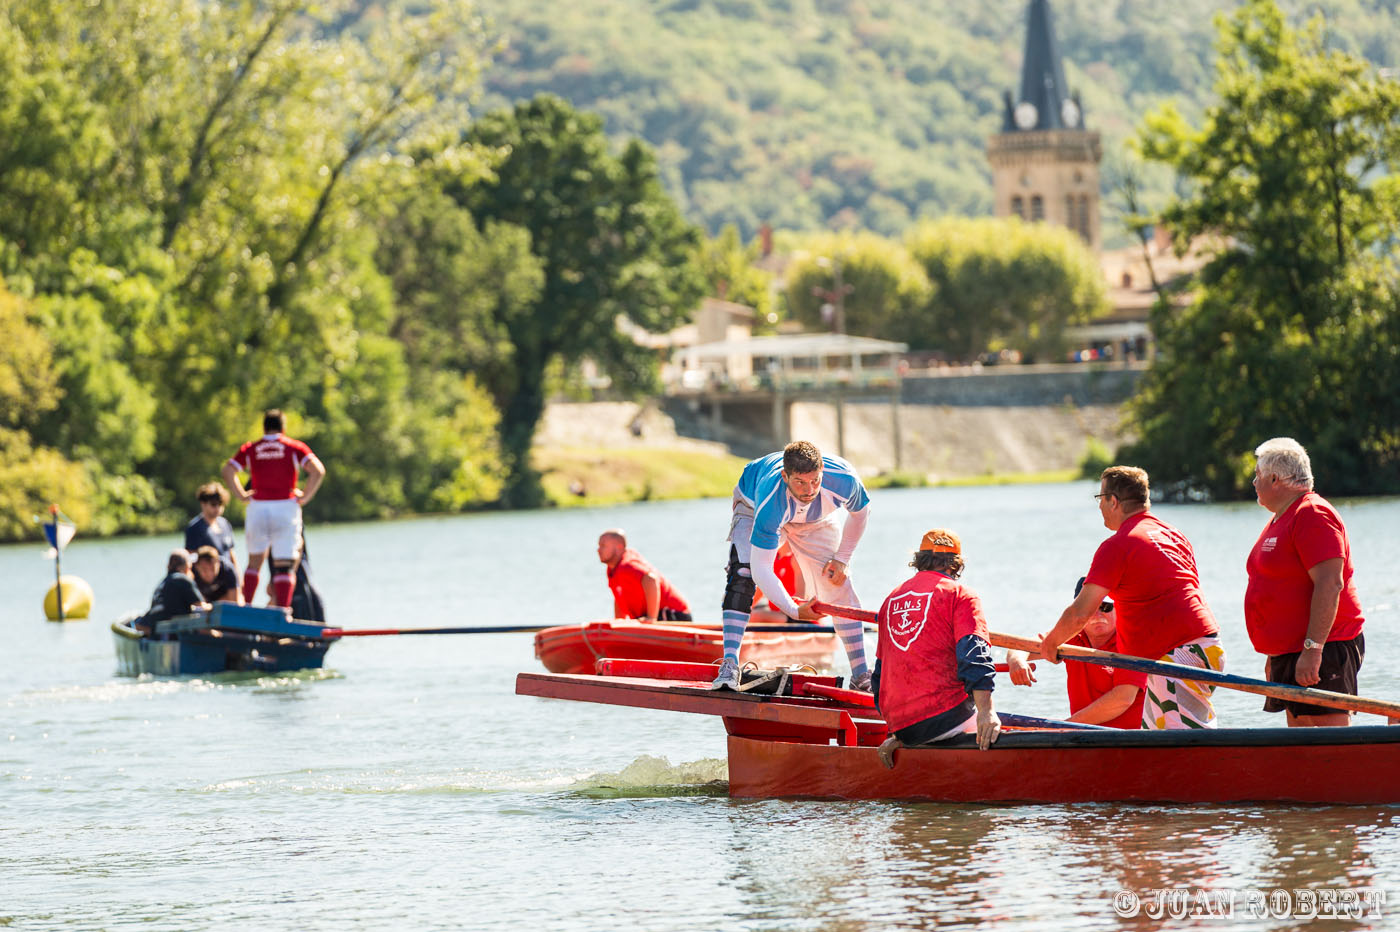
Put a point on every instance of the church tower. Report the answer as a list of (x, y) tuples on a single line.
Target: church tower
[(1045, 164)]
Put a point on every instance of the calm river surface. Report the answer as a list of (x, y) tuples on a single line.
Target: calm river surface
[(406, 787)]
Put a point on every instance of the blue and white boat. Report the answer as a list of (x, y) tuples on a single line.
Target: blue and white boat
[(227, 637)]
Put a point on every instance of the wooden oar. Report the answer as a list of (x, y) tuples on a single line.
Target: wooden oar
[(1179, 671), (844, 611), (515, 629)]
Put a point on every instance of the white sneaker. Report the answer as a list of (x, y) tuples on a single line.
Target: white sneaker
[(861, 682), (728, 675)]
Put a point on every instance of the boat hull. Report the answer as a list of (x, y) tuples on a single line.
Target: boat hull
[(577, 648), (1233, 765), (202, 645), (820, 742)]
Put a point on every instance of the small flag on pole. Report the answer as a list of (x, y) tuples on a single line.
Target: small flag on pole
[(58, 530)]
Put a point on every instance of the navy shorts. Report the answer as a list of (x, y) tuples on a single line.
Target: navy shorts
[(1341, 661)]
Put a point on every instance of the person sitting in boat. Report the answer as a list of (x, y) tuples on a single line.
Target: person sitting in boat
[(176, 595), (935, 674), (1300, 607), (210, 527), (1149, 569), (216, 580), (795, 495), (1098, 695), (639, 591)]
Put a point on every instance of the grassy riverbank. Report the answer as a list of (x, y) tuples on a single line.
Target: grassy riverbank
[(581, 476)]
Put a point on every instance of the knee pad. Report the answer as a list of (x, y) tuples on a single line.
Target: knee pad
[(738, 588)]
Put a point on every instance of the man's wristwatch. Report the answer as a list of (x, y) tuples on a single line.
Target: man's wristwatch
[(1310, 644)]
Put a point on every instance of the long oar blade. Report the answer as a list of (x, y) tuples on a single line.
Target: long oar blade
[(1179, 671)]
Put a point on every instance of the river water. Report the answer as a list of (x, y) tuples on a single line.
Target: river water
[(406, 786)]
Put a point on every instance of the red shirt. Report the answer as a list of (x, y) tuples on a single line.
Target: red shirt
[(1278, 600), (1086, 682), (1149, 569), (625, 581), (920, 625), (272, 464)]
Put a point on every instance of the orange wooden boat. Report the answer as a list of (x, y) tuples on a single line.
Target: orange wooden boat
[(576, 648), (821, 741)]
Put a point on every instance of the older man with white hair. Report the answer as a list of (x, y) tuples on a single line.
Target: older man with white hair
[(1301, 607)]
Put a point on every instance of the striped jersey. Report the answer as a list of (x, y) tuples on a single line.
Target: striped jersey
[(761, 485)]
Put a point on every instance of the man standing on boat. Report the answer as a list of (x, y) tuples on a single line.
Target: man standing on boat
[(1301, 607), (1098, 695), (1149, 569), (936, 673), (795, 495), (273, 525), (639, 591)]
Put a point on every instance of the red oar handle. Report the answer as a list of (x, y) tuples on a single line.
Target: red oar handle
[(843, 611)]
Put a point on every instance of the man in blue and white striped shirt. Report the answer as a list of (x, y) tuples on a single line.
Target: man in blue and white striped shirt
[(799, 496)]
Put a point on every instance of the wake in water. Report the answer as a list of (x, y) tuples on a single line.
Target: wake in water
[(122, 688), (649, 776)]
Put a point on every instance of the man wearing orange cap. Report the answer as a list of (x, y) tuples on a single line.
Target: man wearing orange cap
[(935, 674)]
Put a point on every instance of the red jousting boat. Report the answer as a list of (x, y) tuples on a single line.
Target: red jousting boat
[(821, 742), (576, 648)]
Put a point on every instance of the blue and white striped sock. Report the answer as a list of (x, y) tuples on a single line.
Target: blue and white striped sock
[(734, 625), (852, 634)]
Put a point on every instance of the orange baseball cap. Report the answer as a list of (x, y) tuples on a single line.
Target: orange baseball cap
[(941, 540)]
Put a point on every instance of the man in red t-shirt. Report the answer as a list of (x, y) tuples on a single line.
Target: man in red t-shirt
[(935, 675), (1149, 569), (1098, 695), (639, 591), (1301, 607), (273, 463)]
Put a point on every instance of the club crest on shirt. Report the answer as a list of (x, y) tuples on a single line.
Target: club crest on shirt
[(1269, 544), (907, 615)]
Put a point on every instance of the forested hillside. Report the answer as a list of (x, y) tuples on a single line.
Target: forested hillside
[(860, 113)]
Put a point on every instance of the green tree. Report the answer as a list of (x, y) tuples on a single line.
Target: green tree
[(609, 241), (730, 273), (1001, 283), (878, 282), (1292, 331)]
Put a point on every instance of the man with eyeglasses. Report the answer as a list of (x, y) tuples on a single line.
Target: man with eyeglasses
[(799, 496), (1098, 695), (1149, 569)]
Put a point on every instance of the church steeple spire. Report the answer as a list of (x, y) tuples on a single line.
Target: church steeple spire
[(1045, 163), (1045, 101)]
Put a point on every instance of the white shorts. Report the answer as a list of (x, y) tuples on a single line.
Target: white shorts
[(275, 526)]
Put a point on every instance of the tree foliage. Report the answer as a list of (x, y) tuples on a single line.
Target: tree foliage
[(188, 203), (1293, 328), (1002, 282), (873, 115), (608, 241)]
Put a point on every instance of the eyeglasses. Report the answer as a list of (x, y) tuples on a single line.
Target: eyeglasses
[(1103, 495), (1105, 607)]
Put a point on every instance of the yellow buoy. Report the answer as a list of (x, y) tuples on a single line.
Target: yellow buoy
[(77, 599)]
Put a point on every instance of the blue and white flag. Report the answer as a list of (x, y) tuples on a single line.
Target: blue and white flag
[(58, 529)]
